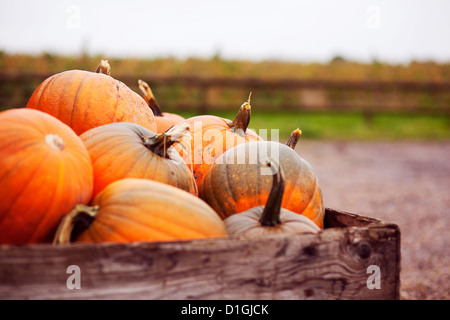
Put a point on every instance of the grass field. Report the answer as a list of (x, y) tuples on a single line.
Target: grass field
[(349, 126), (314, 125)]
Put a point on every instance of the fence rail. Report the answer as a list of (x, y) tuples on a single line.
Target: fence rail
[(308, 94)]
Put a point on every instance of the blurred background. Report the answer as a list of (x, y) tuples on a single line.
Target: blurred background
[(367, 82), (349, 69)]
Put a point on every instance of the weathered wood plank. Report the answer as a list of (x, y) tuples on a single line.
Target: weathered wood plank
[(329, 265), (342, 219)]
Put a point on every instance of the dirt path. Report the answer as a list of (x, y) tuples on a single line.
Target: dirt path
[(407, 183)]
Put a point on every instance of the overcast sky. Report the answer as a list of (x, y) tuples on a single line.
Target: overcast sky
[(396, 31)]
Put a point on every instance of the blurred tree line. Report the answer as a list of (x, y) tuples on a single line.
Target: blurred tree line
[(177, 97), (337, 69)]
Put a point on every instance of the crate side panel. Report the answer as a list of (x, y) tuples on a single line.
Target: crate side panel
[(330, 265)]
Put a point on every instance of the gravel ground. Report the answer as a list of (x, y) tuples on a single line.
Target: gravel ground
[(407, 183)]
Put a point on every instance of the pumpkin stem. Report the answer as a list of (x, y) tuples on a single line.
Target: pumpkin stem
[(271, 213), (76, 221), (55, 141), (150, 98), (104, 68), (242, 120), (160, 143), (294, 137)]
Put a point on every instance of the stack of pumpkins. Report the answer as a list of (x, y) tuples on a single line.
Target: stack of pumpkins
[(90, 160)]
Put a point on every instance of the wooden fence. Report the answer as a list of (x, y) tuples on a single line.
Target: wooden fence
[(204, 95)]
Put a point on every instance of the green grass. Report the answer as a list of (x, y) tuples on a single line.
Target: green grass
[(349, 126)]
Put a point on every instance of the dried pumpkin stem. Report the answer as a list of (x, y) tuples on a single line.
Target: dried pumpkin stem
[(79, 218), (271, 213), (293, 138), (242, 120), (104, 68), (160, 143), (150, 98)]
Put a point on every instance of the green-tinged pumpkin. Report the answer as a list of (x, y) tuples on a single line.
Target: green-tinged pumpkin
[(238, 181), (270, 219)]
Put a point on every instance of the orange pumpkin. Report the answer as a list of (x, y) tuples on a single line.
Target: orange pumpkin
[(84, 100), (127, 150), (270, 219), (211, 136), (141, 210), (164, 120), (45, 170), (237, 182)]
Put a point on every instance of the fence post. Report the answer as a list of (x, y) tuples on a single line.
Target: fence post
[(203, 107)]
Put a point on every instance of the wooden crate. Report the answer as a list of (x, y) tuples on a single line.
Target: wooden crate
[(334, 264)]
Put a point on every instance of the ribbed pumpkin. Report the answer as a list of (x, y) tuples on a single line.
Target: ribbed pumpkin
[(131, 210), (127, 150), (270, 219), (84, 100), (45, 170), (211, 136), (164, 120), (237, 182)]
